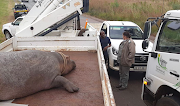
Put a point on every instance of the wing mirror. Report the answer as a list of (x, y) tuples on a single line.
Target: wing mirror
[(145, 44), (147, 30)]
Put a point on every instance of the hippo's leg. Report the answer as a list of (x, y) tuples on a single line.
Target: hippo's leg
[(61, 81)]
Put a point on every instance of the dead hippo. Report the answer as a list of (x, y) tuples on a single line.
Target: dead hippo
[(26, 72)]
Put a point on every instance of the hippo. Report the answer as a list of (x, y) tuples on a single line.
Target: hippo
[(23, 73)]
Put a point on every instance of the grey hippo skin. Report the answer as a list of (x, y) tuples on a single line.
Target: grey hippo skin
[(26, 72)]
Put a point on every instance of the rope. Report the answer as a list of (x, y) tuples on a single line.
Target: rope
[(64, 60)]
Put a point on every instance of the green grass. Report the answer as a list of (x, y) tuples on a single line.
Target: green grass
[(137, 11), (5, 10)]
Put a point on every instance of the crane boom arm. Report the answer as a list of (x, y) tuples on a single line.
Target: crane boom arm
[(46, 13)]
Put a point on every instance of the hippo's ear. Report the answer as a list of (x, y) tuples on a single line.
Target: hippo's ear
[(67, 57)]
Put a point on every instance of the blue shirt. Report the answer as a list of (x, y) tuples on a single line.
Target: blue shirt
[(104, 42)]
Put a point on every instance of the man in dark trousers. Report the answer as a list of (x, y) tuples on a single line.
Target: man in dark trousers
[(105, 43), (125, 59)]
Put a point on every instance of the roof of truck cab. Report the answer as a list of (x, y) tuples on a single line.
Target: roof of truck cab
[(120, 23), (172, 14)]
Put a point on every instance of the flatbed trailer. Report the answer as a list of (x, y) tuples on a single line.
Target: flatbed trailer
[(90, 74)]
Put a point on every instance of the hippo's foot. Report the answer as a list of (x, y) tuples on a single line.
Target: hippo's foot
[(70, 87), (61, 81)]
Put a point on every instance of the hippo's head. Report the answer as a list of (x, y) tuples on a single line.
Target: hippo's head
[(71, 65)]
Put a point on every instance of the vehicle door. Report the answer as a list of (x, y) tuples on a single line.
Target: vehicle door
[(15, 25), (104, 28), (164, 62)]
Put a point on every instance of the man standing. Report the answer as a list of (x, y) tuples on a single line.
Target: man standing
[(105, 43), (125, 59)]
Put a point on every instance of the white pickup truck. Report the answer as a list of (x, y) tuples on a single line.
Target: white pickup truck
[(9, 29), (114, 30), (85, 50)]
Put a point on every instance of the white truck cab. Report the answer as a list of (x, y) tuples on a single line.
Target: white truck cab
[(114, 30), (162, 81)]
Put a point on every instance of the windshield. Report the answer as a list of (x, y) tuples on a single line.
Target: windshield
[(17, 22), (116, 32), (20, 7), (169, 37)]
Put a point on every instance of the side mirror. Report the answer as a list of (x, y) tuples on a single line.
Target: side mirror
[(85, 6), (147, 29), (145, 44), (12, 23)]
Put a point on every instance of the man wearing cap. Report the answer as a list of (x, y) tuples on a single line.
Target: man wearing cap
[(125, 59)]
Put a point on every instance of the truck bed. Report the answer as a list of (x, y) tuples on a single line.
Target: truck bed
[(86, 76)]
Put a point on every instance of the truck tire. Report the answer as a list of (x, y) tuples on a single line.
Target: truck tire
[(7, 35), (168, 101)]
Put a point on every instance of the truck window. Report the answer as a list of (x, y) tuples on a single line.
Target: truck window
[(116, 32), (20, 7), (169, 37), (104, 28), (17, 22)]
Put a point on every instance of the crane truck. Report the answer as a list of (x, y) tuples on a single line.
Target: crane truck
[(62, 16), (161, 85)]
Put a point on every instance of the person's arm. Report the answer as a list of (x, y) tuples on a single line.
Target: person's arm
[(105, 48), (109, 42), (118, 55), (109, 45), (131, 51)]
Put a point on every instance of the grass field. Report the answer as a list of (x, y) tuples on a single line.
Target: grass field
[(6, 14), (131, 10)]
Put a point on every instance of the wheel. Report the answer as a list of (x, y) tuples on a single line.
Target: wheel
[(7, 35), (168, 101)]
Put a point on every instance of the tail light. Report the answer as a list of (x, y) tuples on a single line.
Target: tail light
[(147, 82)]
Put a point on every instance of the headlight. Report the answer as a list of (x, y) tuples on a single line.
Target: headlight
[(115, 52)]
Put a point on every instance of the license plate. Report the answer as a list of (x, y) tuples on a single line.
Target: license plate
[(139, 67)]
